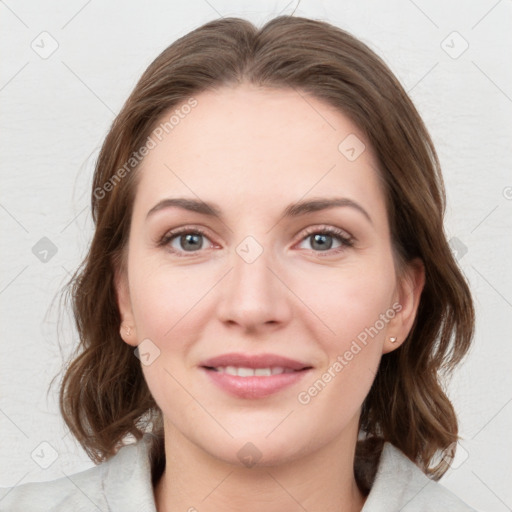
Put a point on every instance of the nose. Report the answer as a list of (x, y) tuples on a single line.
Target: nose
[(253, 295)]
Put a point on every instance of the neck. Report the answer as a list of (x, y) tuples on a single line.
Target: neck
[(193, 480)]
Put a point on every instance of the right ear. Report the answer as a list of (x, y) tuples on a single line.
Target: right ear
[(127, 329)]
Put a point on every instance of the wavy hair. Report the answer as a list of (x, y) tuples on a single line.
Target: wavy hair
[(104, 398)]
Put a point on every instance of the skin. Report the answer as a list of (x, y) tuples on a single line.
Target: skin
[(254, 151)]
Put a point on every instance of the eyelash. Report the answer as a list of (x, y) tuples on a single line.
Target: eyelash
[(343, 237)]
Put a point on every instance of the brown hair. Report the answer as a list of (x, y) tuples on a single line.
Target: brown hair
[(104, 397)]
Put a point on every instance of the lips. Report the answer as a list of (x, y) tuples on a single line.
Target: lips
[(253, 376), (254, 361)]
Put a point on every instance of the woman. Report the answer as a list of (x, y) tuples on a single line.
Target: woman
[(269, 298)]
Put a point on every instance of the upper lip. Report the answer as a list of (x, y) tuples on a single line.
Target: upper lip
[(254, 361)]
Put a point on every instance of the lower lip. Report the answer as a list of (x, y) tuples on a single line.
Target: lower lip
[(254, 387)]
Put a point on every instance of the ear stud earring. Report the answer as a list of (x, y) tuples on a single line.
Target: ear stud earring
[(127, 331), (392, 339)]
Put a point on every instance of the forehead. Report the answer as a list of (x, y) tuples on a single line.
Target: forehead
[(247, 143)]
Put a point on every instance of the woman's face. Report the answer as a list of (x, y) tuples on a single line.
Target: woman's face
[(266, 275)]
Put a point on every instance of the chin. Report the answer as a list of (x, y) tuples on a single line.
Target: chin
[(256, 449)]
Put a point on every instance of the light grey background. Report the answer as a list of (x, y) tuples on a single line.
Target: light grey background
[(56, 110)]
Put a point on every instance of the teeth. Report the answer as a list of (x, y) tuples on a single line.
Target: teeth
[(241, 371), (265, 372)]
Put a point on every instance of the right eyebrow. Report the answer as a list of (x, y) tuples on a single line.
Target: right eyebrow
[(192, 205)]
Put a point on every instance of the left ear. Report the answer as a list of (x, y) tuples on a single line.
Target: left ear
[(409, 288)]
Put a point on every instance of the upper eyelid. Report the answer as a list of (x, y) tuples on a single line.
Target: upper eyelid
[(333, 230)]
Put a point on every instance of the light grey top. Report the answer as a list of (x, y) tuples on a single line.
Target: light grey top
[(123, 484)]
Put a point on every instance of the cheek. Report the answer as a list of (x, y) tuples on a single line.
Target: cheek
[(348, 301), (164, 296)]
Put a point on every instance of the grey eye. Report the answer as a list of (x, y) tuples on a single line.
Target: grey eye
[(189, 242), (322, 241)]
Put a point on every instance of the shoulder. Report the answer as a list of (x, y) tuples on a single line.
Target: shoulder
[(121, 483), (401, 485), (74, 492)]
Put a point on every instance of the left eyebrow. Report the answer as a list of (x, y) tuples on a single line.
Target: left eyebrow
[(315, 205), (292, 210)]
